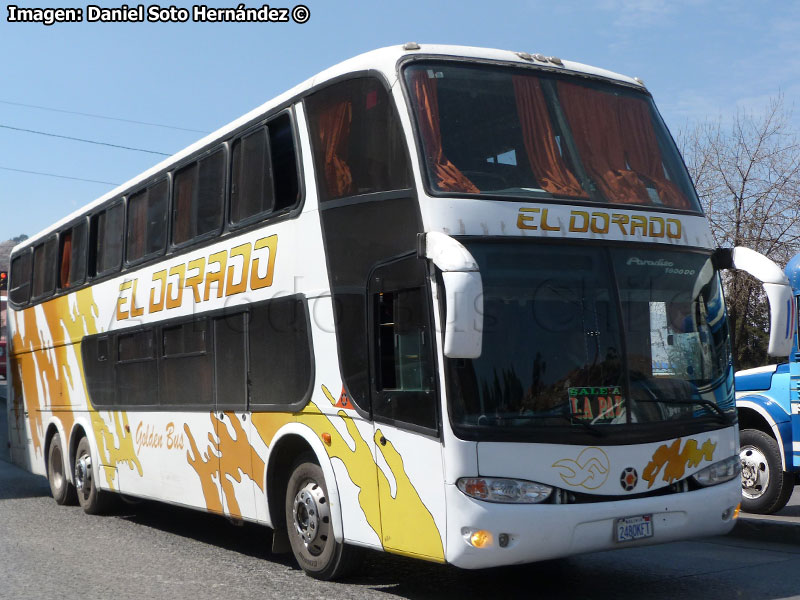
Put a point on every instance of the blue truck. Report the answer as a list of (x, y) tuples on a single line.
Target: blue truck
[(768, 407)]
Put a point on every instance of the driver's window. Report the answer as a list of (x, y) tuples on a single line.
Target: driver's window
[(404, 388)]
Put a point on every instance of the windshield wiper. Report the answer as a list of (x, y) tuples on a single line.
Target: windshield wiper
[(723, 416)]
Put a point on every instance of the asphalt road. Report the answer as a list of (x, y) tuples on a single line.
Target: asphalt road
[(153, 551)]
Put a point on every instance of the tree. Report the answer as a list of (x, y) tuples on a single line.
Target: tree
[(747, 174)]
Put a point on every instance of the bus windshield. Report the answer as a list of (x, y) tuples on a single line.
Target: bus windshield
[(505, 131), (585, 334)]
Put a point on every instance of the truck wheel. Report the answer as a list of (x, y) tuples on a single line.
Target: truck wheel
[(93, 500), (308, 524), (766, 488), (63, 491)]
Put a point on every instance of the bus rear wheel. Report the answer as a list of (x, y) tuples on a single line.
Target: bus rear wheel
[(766, 487), (60, 487), (309, 527), (93, 500)]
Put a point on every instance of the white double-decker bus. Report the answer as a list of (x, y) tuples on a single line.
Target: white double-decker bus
[(453, 303)]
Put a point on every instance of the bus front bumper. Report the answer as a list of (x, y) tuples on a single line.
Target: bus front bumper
[(530, 533)]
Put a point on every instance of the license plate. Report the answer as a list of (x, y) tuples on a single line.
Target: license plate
[(634, 528)]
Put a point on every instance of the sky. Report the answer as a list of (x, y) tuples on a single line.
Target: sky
[(701, 60)]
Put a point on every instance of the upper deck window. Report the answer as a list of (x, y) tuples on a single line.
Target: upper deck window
[(359, 146), (147, 221), (264, 176), (199, 197), (72, 261), (515, 132), (20, 284), (44, 268), (106, 240)]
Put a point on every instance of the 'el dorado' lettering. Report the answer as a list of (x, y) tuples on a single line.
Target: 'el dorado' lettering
[(602, 223), (248, 266)]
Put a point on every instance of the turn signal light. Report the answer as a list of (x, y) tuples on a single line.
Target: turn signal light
[(477, 538)]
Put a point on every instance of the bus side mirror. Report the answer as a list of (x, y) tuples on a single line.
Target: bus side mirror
[(463, 330), (776, 285)]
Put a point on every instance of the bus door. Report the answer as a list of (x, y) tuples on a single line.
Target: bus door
[(231, 418), (405, 411)]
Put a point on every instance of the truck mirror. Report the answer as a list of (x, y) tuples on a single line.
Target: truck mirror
[(463, 329), (779, 293)]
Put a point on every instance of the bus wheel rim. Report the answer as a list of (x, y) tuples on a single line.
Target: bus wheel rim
[(755, 472), (311, 517), (83, 473)]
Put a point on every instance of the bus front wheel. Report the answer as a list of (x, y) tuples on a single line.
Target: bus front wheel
[(308, 524), (766, 487)]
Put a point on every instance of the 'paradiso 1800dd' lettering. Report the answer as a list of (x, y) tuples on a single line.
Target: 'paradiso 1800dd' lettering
[(601, 222), (248, 266)]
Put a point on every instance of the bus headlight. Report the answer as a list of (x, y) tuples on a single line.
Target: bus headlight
[(510, 491), (719, 472)]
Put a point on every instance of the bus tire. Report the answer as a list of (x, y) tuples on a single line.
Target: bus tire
[(766, 487), (93, 500), (60, 486), (308, 524)]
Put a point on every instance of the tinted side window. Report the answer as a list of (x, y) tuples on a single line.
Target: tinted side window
[(230, 356), (359, 147), (186, 366), (264, 171), (137, 373), (251, 183), (199, 197), (106, 240), (20, 283), (147, 221), (44, 268), (72, 259), (284, 162), (281, 367), (403, 346)]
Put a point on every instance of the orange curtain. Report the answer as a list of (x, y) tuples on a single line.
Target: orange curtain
[(66, 259), (334, 133), (618, 146), (540, 142), (448, 177), (594, 120), (641, 150)]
